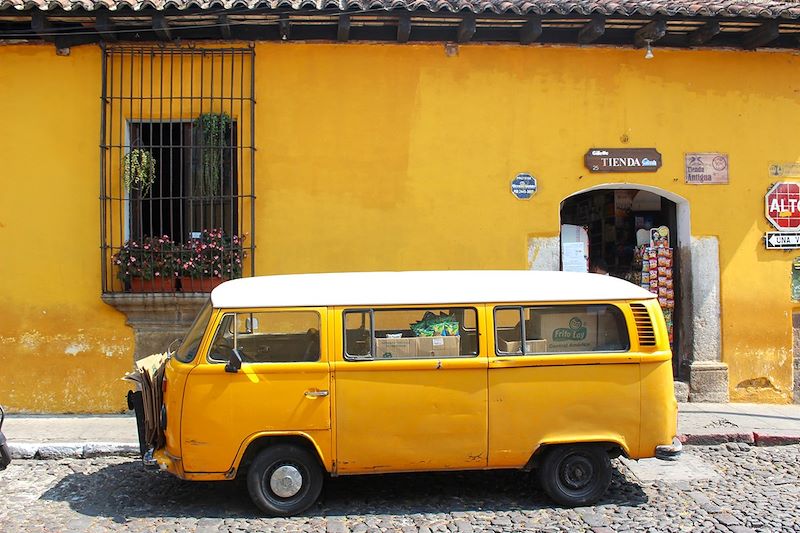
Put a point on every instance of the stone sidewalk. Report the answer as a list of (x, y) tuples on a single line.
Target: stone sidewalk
[(51, 437)]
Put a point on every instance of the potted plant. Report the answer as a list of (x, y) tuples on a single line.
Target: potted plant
[(213, 131), (149, 265), (209, 260), (139, 170)]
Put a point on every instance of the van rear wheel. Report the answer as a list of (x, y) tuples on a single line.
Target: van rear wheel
[(575, 475), (284, 480)]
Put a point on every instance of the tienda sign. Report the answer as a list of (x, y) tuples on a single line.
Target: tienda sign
[(622, 160), (782, 205)]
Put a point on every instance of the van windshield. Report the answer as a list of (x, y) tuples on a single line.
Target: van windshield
[(188, 348)]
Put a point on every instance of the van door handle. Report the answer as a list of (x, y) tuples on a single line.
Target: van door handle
[(314, 393)]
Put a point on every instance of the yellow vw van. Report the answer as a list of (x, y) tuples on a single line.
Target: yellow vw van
[(284, 379)]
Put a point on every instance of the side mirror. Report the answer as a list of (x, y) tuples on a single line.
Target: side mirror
[(234, 362), (174, 345)]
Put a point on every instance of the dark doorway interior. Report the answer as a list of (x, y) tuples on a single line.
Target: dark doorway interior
[(613, 220), (176, 206)]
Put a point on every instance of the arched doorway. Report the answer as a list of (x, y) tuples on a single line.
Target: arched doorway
[(614, 226)]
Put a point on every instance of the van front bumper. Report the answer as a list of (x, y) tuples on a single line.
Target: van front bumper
[(669, 452), (5, 453), (169, 463)]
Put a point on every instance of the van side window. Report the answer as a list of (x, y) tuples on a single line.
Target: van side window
[(268, 337), (560, 329), (410, 333)]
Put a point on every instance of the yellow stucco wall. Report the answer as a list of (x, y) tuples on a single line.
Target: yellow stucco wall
[(61, 348), (383, 157), (376, 157)]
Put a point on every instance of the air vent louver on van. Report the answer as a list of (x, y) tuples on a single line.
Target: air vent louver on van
[(644, 326)]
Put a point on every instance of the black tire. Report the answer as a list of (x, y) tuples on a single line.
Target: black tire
[(575, 475), (298, 460)]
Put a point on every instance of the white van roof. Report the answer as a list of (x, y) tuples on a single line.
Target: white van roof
[(432, 287)]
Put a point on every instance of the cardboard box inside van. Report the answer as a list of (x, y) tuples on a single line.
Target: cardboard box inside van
[(567, 332), (417, 347)]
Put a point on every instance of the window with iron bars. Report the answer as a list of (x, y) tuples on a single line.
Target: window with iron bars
[(177, 168)]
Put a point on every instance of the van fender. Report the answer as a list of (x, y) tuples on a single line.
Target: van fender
[(613, 441), (250, 446)]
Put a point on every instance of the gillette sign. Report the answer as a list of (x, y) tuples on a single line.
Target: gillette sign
[(622, 160)]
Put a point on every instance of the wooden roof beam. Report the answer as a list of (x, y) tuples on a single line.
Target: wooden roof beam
[(704, 33), (343, 29), (760, 36), (284, 29), (650, 33), (42, 27), (225, 26), (104, 27), (466, 29), (161, 27), (530, 31), (592, 30), (403, 28)]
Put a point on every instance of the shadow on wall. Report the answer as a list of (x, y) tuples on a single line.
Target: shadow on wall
[(127, 490)]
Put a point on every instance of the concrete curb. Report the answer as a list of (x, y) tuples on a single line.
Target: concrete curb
[(754, 438), (71, 450), (87, 450)]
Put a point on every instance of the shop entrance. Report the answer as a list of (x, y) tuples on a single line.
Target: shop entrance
[(631, 234)]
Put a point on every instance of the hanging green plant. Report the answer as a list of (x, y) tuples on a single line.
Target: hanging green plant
[(213, 128), (139, 170)]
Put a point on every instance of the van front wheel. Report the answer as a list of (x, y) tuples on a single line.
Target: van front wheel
[(284, 480), (575, 475)]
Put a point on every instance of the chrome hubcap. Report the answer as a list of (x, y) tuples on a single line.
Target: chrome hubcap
[(577, 473), (286, 481)]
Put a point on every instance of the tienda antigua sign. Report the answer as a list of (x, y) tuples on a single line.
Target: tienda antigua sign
[(782, 205), (622, 160)]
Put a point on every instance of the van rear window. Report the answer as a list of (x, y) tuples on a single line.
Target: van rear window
[(410, 333), (560, 329)]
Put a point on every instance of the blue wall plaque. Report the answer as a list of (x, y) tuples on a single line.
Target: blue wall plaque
[(523, 186)]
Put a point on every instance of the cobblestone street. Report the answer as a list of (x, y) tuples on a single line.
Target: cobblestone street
[(750, 489)]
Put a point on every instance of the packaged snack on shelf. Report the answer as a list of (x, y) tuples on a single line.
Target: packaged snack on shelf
[(662, 282), (668, 273), (670, 303), (662, 291), (662, 301), (668, 283), (662, 272), (646, 277), (653, 283), (653, 264)]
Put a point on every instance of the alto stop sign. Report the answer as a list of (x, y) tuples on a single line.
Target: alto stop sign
[(783, 206)]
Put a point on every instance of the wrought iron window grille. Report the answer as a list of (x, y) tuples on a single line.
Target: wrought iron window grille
[(177, 167)]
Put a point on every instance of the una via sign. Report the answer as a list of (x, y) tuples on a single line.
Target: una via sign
[(779, 240)]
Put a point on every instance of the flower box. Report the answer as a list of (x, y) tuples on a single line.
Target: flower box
[(190, 284), (157, 284)]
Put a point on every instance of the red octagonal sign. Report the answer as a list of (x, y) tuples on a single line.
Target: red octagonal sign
[(783, 206)]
